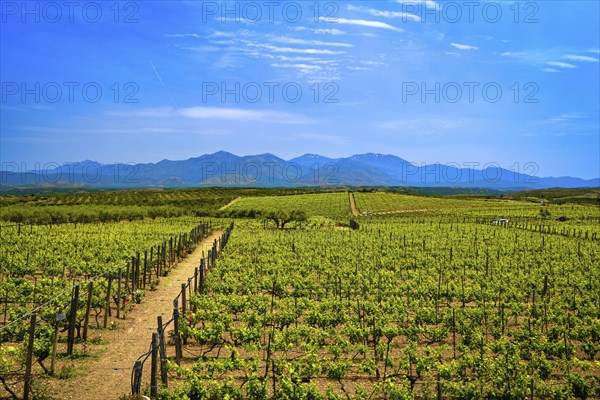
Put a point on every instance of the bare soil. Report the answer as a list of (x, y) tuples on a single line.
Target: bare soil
[(353, 208)]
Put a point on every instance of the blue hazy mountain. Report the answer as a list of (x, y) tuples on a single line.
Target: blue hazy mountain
[(268, 170)]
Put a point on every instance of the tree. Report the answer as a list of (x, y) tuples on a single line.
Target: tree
[(281, 218)]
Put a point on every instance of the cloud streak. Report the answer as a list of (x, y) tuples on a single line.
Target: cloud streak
[(572, 57), (386, 14), (464, 47), (288, 40), (218, 113), (561, 64), (361, 22)]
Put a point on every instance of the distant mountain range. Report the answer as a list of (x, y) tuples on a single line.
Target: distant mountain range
[(268, 170)]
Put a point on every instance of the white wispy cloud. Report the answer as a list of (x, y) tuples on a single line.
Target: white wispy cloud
[(294, 50), (182, 35), (514, 54), (573, 57), (298, 66), (548, 59), (566, 117), (289, 40), (464, 47), (296, 59), (386, 14), (222, 34), (217, 113), (560, 64), (321, 31), (361, 22)]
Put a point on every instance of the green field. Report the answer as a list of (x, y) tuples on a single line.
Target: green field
[(426, 298), (334, 206), (380, 312)]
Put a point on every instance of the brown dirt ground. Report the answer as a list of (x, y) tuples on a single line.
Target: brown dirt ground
[(107, 373), (353, 208)]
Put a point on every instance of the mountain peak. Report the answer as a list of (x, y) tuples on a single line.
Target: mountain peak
[(222, 153)]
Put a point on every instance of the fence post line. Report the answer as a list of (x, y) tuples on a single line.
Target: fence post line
[(137, 271), (176, 336), (127, 278), (202, 268), (119, 278), (72, 318), (54, 343), (88, 307), (162, 352), (133, 283), (145, 267), (153, 366), (137, 378), (107, 310), (29, 359), (183, 299), (189, 286)]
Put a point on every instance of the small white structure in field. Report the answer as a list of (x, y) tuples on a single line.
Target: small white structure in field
[(500, 222)]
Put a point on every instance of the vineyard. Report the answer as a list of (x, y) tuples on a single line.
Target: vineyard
[(397, 309), (78, 278), (423, 298)]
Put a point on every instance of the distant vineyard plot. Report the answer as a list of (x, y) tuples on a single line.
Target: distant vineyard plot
[(329, 205)]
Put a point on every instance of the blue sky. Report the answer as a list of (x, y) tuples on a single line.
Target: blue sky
[(452, 82)]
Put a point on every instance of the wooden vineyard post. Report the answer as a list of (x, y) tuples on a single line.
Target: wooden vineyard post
[(176, 336), (54, 343), (29, 358), (132, 275), (179, 247), (137, 271), (170, 253), (107, 310), (163, 353), (127, 278), (183, 299), (88, 307), (189, 287), (119, 279), (72, 318), (145, 267), (153, 367), (196, 280), (137, 378), (157, 267), (201, 288), (151, 263), (183, 305)]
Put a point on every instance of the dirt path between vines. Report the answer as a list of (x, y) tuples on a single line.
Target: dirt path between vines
[(108, 376), (353, 209), (232, 202)]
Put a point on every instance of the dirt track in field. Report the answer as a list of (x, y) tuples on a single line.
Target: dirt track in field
[(353, 208), (108, 375), (232, 202)]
